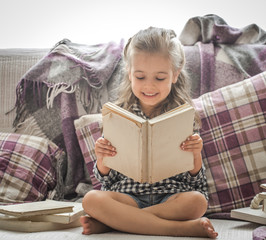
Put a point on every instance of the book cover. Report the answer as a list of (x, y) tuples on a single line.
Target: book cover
[(250, 215), (64, 218), (148, 150), (37, 208), (30, 226), (45, 222)]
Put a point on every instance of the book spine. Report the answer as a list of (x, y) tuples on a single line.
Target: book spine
[(144, 153), (149, 153)]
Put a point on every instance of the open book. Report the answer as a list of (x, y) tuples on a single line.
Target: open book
[(148, 150)]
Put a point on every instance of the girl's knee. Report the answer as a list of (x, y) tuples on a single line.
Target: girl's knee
[(198, 203), (91, 200)]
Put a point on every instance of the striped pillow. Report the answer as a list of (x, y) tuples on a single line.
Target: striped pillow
[(234, 150), (26, 167)]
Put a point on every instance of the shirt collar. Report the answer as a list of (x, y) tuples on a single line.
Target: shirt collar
[(137, 110)]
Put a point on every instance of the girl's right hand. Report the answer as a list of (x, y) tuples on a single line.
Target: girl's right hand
[(103, 148)]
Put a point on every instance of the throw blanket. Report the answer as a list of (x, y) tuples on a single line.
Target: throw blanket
[(218, 54), (73, 79)]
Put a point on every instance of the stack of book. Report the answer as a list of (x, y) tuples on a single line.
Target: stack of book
[(40, 216)]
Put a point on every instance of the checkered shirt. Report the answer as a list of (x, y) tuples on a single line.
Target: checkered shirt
[(183, 182)]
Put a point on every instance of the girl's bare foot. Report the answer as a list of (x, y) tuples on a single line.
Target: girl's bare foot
[(200, 227), (208, 228), (92, 226)]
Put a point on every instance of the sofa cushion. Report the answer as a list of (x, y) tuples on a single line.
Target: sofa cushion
[(27, 170), (88, 130), (234, 131)]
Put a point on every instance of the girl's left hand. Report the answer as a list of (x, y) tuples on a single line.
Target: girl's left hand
[(194, 144)]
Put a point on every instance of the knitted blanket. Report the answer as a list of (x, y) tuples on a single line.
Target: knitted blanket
[(218, 54), (71, 80)]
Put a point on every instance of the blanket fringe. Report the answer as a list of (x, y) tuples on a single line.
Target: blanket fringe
[(30, 127), (55, 90)]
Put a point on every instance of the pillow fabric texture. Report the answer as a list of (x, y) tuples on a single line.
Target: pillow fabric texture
[(88, 130), (234, 136), (27, 171), (233, 132)]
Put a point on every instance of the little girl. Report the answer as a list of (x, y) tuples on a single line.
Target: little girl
[(155, 82)]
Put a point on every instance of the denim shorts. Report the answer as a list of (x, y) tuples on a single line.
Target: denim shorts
[(148, 200)]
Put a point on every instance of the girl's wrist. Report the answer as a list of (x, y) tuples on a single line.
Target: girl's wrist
[(197, 165), (103, 169)]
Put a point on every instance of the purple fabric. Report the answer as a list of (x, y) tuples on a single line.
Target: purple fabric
[(69, 112), (27, 167), (87, 136), (234, 136), (83, 72), (259, 233), (226, 55)]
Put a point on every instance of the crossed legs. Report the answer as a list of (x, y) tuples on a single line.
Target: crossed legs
[(180, 215)]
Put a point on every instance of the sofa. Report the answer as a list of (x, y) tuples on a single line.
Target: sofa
[(50, 118)]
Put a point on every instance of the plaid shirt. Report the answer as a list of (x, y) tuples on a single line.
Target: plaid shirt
[(183, 182)]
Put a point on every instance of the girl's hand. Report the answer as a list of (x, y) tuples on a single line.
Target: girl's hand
[(103, 148), (194, 144)]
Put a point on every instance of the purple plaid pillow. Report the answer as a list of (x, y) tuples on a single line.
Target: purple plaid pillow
[(88, 130), (26, 167), (234, 132)]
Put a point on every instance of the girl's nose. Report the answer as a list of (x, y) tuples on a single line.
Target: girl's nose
[(149, 82)]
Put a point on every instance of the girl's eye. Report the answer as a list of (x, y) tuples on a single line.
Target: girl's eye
[(160, 79), (140, 78)]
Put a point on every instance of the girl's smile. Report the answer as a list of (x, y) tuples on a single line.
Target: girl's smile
[(150, 94)]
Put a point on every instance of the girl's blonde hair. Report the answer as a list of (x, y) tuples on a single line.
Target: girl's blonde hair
[(157, 40)]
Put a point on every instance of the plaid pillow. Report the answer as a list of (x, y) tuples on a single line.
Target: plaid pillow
[(233, 132), (26, 167), (88, 130)]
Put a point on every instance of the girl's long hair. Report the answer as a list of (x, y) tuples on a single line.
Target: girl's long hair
[(157, 40)]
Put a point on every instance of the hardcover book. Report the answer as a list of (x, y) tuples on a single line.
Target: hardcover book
[(43, 222), (250, 214), (31, 226), (36, 208), (148, 150)]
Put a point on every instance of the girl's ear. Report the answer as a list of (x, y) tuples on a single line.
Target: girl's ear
[(176, 75), (128, 73)]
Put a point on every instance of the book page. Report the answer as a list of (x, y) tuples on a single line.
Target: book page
[(37, 208), (249, 214), (126, 137), (166, 157), (111, 107)]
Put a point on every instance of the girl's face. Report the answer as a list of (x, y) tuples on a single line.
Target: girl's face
[(151, 76)]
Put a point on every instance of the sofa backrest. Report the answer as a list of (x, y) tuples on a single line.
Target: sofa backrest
[(13, 65)]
